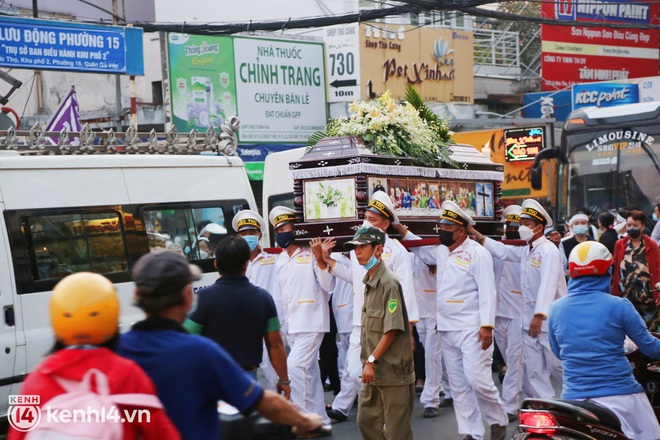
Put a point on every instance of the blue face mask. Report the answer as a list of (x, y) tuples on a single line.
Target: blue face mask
[(252, 241), (580, 229), (373, 261), (655, 217), (284, 239)]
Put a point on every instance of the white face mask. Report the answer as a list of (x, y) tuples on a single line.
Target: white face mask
[(525, 233)]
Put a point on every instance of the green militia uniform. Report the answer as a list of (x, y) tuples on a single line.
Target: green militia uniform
[(385, 406)]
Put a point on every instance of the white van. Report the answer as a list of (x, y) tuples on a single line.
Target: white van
[(69, 213), (278, 185)]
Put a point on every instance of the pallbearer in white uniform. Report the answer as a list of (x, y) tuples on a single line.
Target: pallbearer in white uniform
[(304, 285), (508, 318), (466, 318), (261, 272), (542, 282), (380, 213), (427, 302)]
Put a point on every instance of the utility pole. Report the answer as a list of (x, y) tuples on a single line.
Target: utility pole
[(118, 107)]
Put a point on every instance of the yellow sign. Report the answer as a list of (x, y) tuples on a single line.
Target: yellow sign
[(517, 175), (438, 62)]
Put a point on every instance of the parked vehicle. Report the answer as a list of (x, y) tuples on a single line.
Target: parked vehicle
[(66, 213)]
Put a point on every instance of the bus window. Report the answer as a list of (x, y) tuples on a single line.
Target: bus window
[(192, 232), (69, 243)]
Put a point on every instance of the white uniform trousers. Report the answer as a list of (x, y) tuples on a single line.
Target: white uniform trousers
[(430, 339), (539, 364), (342, 348), (509, 338), (351, 381), (471, 382), (305, 374), (637, 418)]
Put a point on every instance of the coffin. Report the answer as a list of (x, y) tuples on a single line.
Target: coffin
[(334, 181)]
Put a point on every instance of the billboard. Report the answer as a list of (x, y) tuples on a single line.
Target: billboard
[(517, 181), (51, 45), (438, 62), (202, 83), (604, 95), (280, 88), (277, 88), (547, 105), (578, 54)]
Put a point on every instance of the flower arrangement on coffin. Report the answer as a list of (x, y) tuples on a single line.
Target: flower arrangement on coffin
[(387, 128)]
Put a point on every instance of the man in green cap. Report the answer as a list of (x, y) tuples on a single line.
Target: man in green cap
[(387, 392)]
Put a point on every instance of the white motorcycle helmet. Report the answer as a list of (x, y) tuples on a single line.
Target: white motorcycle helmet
[(589, 258)]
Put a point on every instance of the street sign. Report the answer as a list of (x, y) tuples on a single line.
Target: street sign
[(523, 144), (342, 59), (53, 45)]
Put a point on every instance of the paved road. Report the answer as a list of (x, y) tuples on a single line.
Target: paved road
[(442, 427)]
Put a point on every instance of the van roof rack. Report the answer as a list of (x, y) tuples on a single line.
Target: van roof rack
[(36, 141)]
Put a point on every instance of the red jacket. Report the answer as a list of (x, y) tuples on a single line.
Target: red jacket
[(124, 376), (652, 259)]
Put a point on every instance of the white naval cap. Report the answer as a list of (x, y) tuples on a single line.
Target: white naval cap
[(533, 209), (380, 203), (452, 214), (280, 215), (247, 219), (511, 215), (213, 228)]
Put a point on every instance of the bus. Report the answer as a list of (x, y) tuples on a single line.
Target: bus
[(609, 160)]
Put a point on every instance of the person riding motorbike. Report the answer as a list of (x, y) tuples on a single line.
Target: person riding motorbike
[(587, 330)]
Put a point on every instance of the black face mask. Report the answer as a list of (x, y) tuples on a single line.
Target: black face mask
[(446, 238), (634, 233), (285, 239), (512, 235)]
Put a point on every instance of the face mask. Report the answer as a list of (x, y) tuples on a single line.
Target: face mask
[(186, 250), (634, 233), (284, 239), (655, 217), (373, 261), (252, 241), (512, 235), (580, 229), (446, 238), (525, 233)]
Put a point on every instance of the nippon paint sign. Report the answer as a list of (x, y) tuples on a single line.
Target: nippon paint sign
[(578, 54)]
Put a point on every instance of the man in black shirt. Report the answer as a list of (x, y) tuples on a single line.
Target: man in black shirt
[(609, 236), (238, 315)]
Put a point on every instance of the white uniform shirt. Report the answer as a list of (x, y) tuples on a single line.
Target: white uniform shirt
[(541, 275), (509, 293), (304, 289), (342, 298), (397, 259), (425, 289), (465, 285), (261, 273)]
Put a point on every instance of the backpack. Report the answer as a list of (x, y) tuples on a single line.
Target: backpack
[(82, 414)]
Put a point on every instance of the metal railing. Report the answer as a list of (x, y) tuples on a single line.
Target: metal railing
[(36, 141), (496, 48)]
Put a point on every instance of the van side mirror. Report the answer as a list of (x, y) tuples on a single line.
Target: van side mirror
[(537, 177), (537, 171)]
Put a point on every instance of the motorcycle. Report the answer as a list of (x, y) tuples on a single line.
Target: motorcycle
[(558, 419)]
